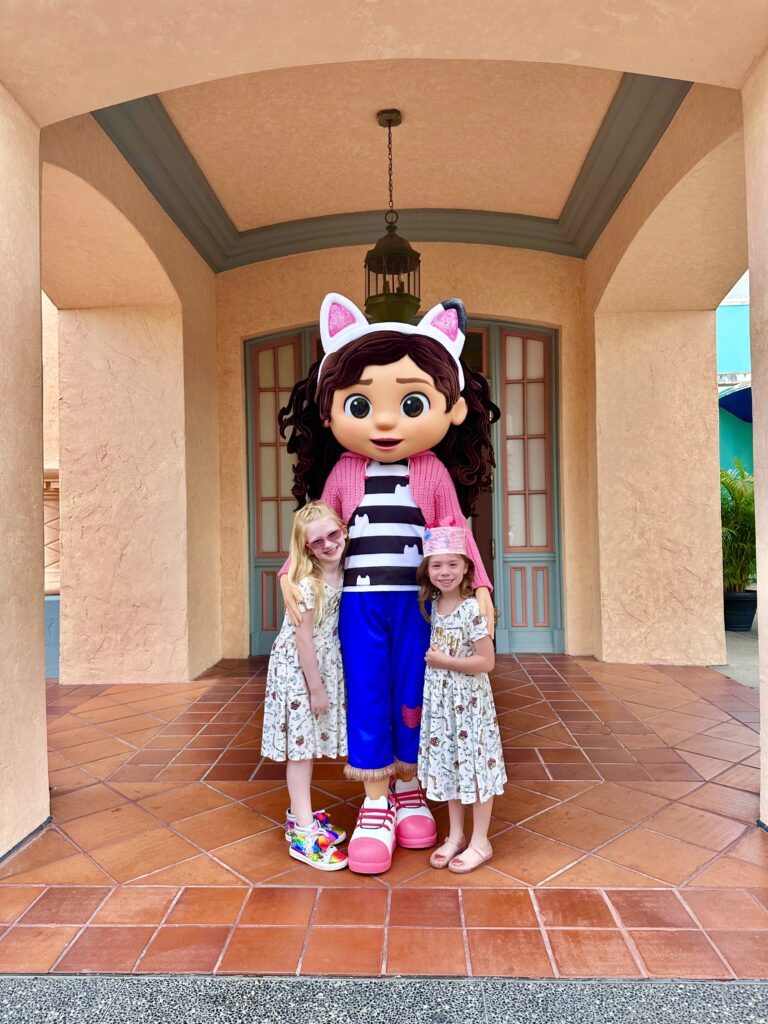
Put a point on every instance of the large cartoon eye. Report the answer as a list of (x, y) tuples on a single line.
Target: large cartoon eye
[(414, 405), (357, 406)]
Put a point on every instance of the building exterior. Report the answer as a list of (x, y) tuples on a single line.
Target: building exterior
[(184, 241)]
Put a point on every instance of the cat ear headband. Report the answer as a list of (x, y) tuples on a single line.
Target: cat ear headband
[(342, 322)]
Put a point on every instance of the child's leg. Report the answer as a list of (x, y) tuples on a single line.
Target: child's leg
[(479, 849), (455, 841), (298, 775)]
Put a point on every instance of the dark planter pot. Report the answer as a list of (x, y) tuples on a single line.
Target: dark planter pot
[(740, 608)]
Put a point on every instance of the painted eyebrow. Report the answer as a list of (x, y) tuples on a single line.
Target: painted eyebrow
[(412, 380), (368, 381)]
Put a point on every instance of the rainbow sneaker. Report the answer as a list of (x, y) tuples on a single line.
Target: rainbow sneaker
[(323, 819), (314, 848)]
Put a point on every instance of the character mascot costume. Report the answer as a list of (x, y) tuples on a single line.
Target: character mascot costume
[(391, 429)]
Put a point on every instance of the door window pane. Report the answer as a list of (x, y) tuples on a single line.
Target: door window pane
[(514, 410), (266, 368), (268, 472), (537, 522), (269, 526), (286, 371), (535, 419), (286, 522), (534, 359), (285, 462), (515, 466), (514, 360), (516, 523), (267, 417), (472, 353), (537, 465)]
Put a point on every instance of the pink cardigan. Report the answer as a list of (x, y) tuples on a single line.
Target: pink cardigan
[(432, 490)]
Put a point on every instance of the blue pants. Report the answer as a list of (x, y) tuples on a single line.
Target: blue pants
[(384, 638)]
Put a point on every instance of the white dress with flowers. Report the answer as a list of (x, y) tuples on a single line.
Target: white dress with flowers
[(291, 732), (460, 753)]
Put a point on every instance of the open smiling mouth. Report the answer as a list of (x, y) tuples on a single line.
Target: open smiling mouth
[(385, 442)]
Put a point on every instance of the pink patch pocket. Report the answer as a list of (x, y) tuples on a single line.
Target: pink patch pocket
[(412, 716)]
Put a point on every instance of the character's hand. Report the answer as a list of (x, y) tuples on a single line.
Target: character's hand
[(435, 658), (318, 701), (483, 596), (291, 598)]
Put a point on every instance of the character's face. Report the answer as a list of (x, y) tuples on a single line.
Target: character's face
[(446, 572), (392, 412), (325, 541)]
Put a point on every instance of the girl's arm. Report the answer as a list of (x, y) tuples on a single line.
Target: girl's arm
[(482, 660), (318, 696)]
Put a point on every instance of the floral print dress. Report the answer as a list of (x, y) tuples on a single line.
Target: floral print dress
[(291, 732), (460, 753)]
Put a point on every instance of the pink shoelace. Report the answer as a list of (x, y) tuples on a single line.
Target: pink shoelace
[(409, 797), (375, 817)]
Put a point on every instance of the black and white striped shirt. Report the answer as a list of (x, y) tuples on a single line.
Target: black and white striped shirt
[(385, 533)]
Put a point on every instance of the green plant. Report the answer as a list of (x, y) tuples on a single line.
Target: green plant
[(737, 509)]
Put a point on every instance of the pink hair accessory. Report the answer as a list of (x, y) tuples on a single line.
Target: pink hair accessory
[(342, 322)]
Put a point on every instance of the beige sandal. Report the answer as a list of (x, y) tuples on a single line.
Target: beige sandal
[(441, 860), (455, 865)]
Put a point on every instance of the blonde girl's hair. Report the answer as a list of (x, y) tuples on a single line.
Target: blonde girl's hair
[(303, 563), (427, 592)]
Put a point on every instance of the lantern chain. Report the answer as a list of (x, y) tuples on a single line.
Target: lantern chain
[(389, 154)]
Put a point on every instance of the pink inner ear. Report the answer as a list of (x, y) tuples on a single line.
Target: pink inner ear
[(339, 317), (448, 322)]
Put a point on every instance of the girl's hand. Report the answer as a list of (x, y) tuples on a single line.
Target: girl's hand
[(318, 701), (435, 658), (483, 596), (291, 598)]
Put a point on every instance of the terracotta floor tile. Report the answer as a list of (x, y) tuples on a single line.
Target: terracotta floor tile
[(707, 767), (711, 746), (727, 909), (509, 953), (110, 950), (33, 949), (516, 804), (573, 771), (530, 857), (183, 802), (93, 751), (673, 772), (428, 908), (14, 900), (278, 906), (624, 773), (741, 777), (263, 951), (731, 803), (416, 951), (202, 905), (201, 870), (659, 856), (753, 847), (223, 825), (592, 954), (678, 954), (71, 738), (577, 826), (83, 801), (573, 908), (732, 731), (136, 906), (358, 907), (732, 873), (511, 908), (69, 779), (593, 872), (183, 950), (525, 772), (65, 905), (695, 825), (602, 756), (46, 848), (122, 822), (619, 802), (262, 856), (346, 951), (132, 858), (745, 951), (650, 909)]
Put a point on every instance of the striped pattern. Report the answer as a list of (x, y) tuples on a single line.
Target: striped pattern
[(385, 532)]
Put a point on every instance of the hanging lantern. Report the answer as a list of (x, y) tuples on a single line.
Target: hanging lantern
[(392, 279)]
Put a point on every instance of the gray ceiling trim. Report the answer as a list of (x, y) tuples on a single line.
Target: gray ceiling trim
[(637, 117)]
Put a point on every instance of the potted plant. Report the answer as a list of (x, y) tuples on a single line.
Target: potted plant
[(737, 507)]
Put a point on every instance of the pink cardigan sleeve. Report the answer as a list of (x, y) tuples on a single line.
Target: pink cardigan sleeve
[(447, 504), (331, 497)]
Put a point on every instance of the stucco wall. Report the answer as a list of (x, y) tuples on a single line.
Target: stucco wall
[(50, 383), (23, 759), (123, 507), (658, 473), (509, 284), (80, 146)]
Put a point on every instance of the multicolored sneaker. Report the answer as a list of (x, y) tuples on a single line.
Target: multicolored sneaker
[(336, 834), (314, 848)]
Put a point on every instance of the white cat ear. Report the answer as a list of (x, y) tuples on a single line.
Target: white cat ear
[(339, 318), (447, 321)]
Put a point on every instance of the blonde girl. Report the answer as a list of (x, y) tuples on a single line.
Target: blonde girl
[(305, 707), (460, 754)]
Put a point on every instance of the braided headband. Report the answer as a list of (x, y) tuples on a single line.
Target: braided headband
[(342, 322)]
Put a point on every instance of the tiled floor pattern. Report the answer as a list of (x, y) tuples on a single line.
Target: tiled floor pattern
[(624, 845)]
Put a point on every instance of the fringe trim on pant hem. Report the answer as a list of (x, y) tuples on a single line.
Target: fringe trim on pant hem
[(369, 774), (404, 768)]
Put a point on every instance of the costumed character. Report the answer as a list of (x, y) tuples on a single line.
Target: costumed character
[(392, 429)]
